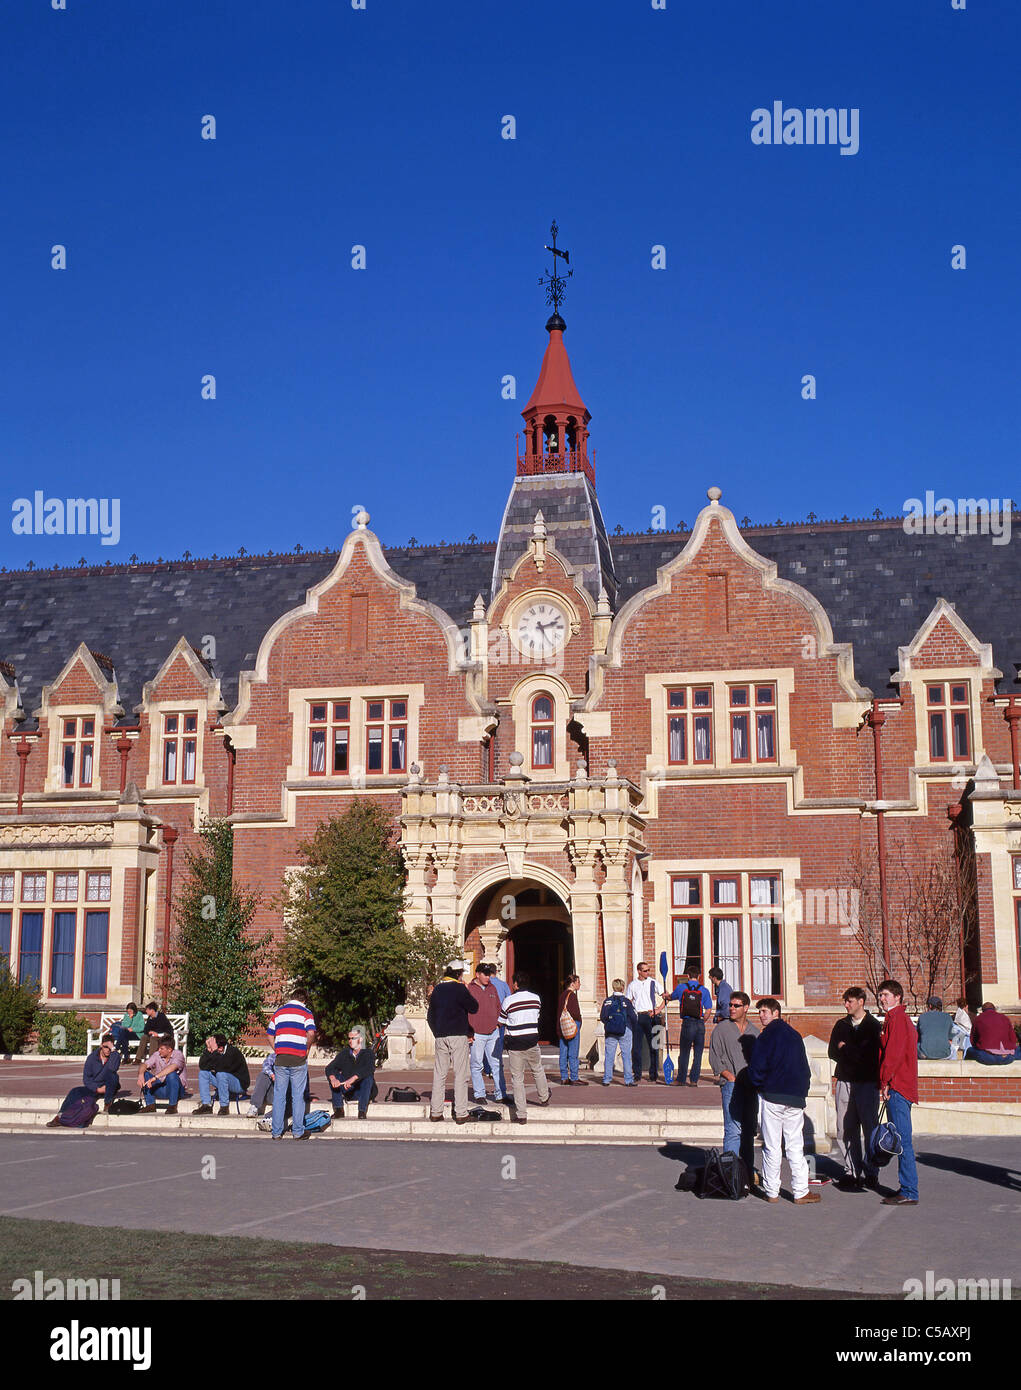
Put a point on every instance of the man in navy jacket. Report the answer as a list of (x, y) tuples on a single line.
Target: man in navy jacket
[(780, 1072), (98, 1075)]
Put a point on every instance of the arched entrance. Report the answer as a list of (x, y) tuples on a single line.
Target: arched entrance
[(522, 924)]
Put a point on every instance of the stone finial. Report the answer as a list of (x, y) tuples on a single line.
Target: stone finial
[(581, 771), (603, 609), (131, 796), (362, 519), (985, 772), (479, 611), (516, 759), (539, 526), (444, 775), (714, 494)]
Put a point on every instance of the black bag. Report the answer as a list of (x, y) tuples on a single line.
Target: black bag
[(403, 1093), (477, 1112), (125, 1107), (724, 1175)]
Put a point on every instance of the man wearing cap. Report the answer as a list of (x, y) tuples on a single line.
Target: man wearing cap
[(486, 1036), (934, 1028), (450, 1006)]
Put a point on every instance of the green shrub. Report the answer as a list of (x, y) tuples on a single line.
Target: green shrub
[(17, 1008), (61, 1031)]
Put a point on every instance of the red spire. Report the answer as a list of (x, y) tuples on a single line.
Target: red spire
[(556, 418)]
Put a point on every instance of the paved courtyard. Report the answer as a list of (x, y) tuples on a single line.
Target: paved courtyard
[(612, 1208)]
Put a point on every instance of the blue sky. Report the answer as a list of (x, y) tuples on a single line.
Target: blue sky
[(336, 387)]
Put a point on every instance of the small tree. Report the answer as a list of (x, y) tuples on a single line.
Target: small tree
[(345, 939), (17, 1009), (217, 966), (431, 949)]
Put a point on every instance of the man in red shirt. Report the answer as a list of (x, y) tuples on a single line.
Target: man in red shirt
[(898, 1085), (993, 1040)]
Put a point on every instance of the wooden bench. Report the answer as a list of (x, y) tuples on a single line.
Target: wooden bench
[(179, 1023)]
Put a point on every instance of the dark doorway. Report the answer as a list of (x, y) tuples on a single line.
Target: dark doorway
[(545, 951)]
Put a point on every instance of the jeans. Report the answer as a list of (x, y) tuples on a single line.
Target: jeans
[(899, 1111), (569, 1056), (625, 1046), (226, 1084), (122, 1038), (483, 1048), (294, 1080), (990, 1059), (692, 1034), (170, 1087), (647, 1024), (363, 1090), (740, 1114)]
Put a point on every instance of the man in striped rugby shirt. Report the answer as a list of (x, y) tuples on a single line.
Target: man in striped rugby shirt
[(291, 1029), (520, 1018)]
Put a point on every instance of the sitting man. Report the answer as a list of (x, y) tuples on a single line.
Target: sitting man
[(162, 1075), (221, 1065), (156, 1026), (934, 1029), (993, 1040), (262, 1092), (351, 1073), (99, 1075), (129, 1029)]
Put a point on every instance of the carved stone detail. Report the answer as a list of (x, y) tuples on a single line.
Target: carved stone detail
[(56, 835)]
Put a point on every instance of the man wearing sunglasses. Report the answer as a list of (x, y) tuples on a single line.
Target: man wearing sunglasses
[(729, 1050), (350, 1074)]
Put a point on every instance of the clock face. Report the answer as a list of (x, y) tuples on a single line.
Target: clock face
[(542, 628)]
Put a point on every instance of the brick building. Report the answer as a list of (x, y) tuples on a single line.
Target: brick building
[(598, 747)]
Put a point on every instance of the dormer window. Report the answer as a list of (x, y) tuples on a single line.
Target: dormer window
[(180, 747), (948, 710), (77, 752), (542, 731)]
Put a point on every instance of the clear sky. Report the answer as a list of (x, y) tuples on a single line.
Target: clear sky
[(338, 127)]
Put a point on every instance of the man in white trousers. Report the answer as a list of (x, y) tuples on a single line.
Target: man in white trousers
[(780, 1072)]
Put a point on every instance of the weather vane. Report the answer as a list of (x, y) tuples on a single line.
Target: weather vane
[(556, 285)]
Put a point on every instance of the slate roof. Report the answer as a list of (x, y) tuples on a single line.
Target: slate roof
[(876, 583)]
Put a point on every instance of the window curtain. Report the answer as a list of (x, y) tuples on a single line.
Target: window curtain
[(725, 890), (30, 956), (702, 741), (687, 948), (765, 955), (764, 736), (739, 737), (62, 966), (677, 753), (727, 947), (318, 760), (97, 933)]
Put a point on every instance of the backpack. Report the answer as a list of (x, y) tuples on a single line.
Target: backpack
[(616, 1017), (80, 1113), (691, 1003), (884, 1141), (724, 1175), (317, 1120)]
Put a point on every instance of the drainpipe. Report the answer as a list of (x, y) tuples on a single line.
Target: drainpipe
[(232, 757), (123, 746), (169, 840), (876, 719), (22, 749), (955, 815)]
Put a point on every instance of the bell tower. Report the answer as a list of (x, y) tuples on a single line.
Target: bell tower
[(555, 473)]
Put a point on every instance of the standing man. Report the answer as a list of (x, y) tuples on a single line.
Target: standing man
[(854, 1046), (729, 1050), (723, 991), (898, 1085), (486, 1031), (780, 1072), (502, 989), (450, 1006), (696, 1004), (221, 1065), (163, 1074), (642, 995), (520, 1017), (291, 1030)]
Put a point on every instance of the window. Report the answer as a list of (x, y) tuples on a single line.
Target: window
[(733, 921), (5, 937), (6, 888), (97, 934), (386, 737), (77, 752), (33, 888), (329, 726), (30, 948), (62, 954), (65, 888), (180, 748), (542, 731), (97, 887), (690, 724), (948, 710), (752, 707)]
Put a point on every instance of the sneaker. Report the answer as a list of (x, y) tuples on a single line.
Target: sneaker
[(630, 1083), (808, 1198), (202, 1110), (252, 1113), (899, 1200), (761, 1192)]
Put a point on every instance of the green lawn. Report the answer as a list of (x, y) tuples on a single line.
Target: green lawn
[(181, 1266)]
